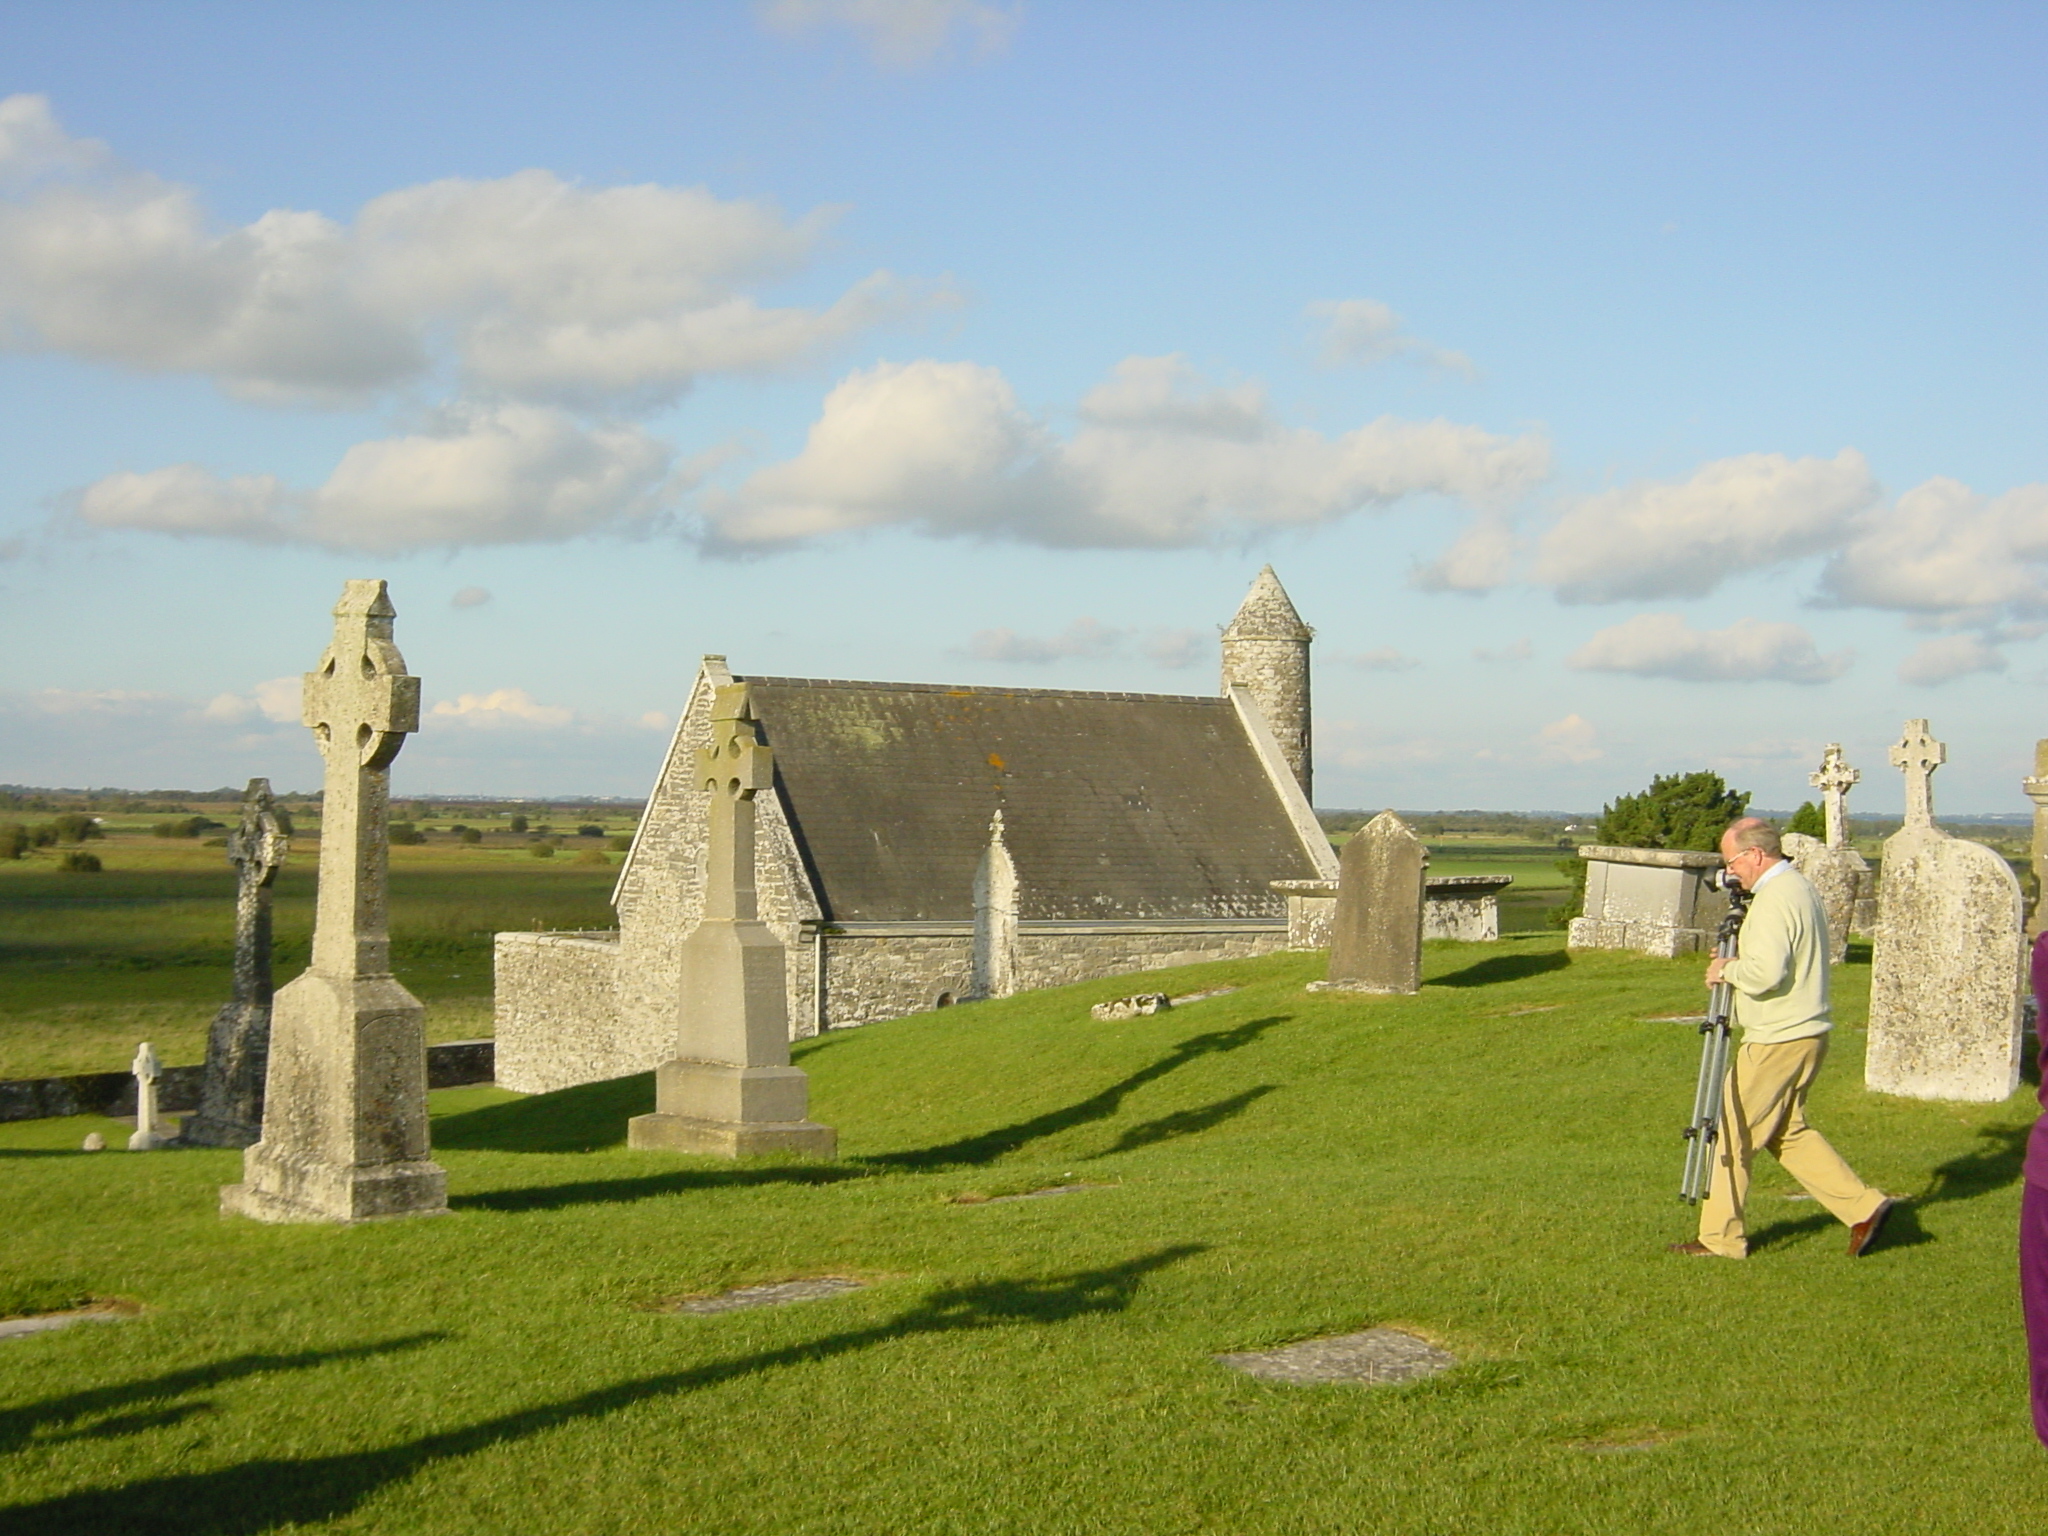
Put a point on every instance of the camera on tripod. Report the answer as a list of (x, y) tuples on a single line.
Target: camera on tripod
[(1723, 879)]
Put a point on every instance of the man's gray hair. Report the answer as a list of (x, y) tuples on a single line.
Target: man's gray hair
[(1754, 832)]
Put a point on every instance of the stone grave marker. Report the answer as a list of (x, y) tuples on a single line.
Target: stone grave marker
[(1948, 966), (1376, 932), (2037, 791), (1655, 900), (1838, 872), (995, 918), (729, 1090), (1375, 1356), (238, 1045), (148, 1127), (345, 1095)]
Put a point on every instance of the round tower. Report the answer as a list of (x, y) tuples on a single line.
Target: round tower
[(1265, 650)]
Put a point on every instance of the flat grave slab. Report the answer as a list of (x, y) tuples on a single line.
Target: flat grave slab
[(773, 1295), (21, 1327), (1373, 1357)]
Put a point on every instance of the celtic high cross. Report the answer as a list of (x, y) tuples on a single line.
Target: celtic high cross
[(1917, 755), (1834, 780)]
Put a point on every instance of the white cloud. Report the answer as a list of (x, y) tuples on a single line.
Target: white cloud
[(1172, 648), (1948, 657), (1386, 658), (499, 708), (277, 700), (1361, 332), (513, 475), (1749, 650), (470, 597), (1083, 637), (1162, 458), (899, 34), (1570, 740), (534, 288), (1519, 650), (1480, 559), (1944, 549), (1656, 539)]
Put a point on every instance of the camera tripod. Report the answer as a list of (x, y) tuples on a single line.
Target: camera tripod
[(1705, 1129)]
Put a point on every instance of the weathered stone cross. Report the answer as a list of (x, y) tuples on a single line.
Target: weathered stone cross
[(238, 1045), (1917, 755), (147, 1137), (733, 769), (1834, 780)]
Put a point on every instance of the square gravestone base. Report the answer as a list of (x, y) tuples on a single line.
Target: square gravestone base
[(337, 1194), (1360, 986), (731, 1138)]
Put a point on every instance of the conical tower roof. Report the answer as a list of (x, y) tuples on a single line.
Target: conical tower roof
[(1266, 613)]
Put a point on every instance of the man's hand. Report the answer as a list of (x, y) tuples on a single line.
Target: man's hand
[(1714, 970)]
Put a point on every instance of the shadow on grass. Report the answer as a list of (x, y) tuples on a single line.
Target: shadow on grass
[(1187, 1122), (990, 1145), (586, 1118), (674, 1181), (31, 1421), (1995, 1163), (259, 1496), (1497, 968)]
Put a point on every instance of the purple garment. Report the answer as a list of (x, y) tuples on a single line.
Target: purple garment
[(2034, 1296), (2036, 1170)]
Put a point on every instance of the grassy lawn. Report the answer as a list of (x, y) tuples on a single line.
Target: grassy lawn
[(1491, 1164), (92, 963)]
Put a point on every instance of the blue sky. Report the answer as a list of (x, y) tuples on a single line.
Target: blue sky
[(1618, 390)]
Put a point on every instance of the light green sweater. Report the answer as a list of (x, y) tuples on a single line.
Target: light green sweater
[(1780, 969)]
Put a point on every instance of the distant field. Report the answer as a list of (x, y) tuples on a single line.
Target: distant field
[(90, 964)]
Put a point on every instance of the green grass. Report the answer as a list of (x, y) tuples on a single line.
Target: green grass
[(90, 964), (1491, 1163)]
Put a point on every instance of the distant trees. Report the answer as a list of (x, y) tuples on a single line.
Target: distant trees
[(187, 826), (1809, 819), (14, 840), (590, 829), (469, 834), (517, 823), (76, 827), (79, 863), (404, 834)]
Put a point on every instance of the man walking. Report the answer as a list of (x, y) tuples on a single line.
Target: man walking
[(1779, 978)]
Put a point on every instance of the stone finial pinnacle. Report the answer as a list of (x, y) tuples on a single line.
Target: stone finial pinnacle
[(1267, 613)]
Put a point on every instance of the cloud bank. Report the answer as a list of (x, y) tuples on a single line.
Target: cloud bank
[(1749, 650)]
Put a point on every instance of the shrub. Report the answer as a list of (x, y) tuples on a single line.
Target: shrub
[(405, 835), (517, 823), (541, 850), (591, 856), (619, 844), (590, 829), (470, 835), (77, 827), (187, 826), (1686, 811), (458, 829), (14, 840), (42, 835), (79, 863), (1810, 819)]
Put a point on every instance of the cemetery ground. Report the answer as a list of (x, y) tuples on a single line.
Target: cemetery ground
[(1489, 1164)]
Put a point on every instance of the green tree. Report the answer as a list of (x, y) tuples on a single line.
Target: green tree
[(77, 827), (14, 840), (1686, 811), (1809, 819), (517, 823)]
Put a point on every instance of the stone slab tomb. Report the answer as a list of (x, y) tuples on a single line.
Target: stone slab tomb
[(1376, 934), (1948, 966), (1655, 900), (345, 1095)]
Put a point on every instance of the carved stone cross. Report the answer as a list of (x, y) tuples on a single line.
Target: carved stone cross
[(1834, 780), (147, 1071), (734, 769), (238, 1045), (360, 704), (1917, 755)]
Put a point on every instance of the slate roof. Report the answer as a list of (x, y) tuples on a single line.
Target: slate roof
[(1115, 805)]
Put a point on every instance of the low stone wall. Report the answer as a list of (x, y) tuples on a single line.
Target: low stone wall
[(458, 1064), (557, 1018)]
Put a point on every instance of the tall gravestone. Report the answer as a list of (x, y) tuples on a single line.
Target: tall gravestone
[(1946, 972), (1376, 932), (2037, 791), (729, 1090), (345, 1097), (1837, 872), (238, 1046), (995, 917)]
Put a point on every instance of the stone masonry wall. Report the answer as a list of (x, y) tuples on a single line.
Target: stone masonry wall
[(1276, 673), (557, 1019)]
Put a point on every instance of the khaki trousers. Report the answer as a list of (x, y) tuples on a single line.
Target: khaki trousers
[(1764, 1105)]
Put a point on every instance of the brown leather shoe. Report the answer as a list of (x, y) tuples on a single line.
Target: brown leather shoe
[(1693, 1250), (1863, 1236)]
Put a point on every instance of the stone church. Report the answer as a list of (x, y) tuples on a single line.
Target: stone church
[(925, 845)]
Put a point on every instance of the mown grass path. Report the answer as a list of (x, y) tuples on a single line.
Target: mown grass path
[(1491, 1164)]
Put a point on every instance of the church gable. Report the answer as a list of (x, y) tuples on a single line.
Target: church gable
[(1116, 806)]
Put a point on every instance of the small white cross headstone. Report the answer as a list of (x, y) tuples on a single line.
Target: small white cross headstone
[(1917, 755), (146, 1138), (1834, 780)]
